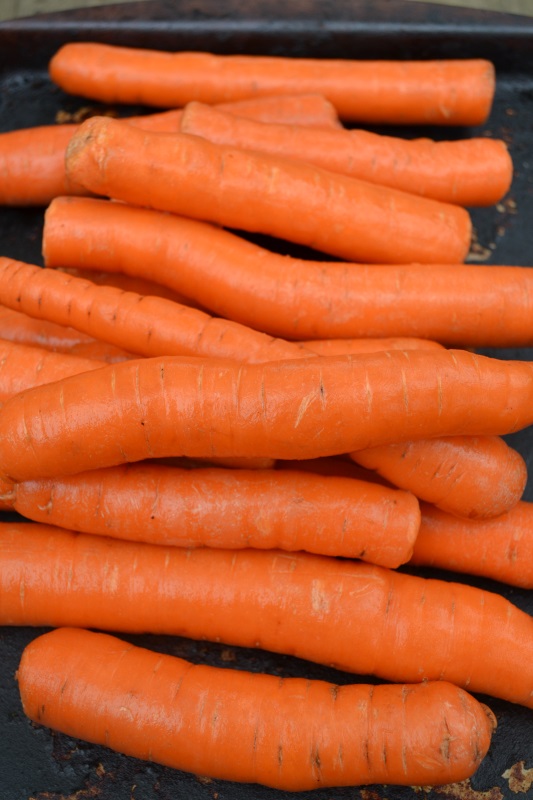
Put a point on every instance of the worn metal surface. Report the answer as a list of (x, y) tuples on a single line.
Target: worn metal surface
[(36, 763)]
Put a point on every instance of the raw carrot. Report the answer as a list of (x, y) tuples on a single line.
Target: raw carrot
[(339, 347), (23, 366), (213, 721), (471, 476), (499, 548), (129, 283), (468, 172), (15, 326), (301, 408), (356, 617), (290, 297), (143, 324), (289, 199), (449, 92), (286, 510), (32, 160)]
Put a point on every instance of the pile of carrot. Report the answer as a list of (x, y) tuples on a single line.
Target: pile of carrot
[(210, 439)]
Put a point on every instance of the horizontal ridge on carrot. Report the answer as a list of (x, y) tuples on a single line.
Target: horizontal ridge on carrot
[(289, 297), (300, 408), (96, 687), (468, 172), (146, 325), (260, 193), (356, 617), (231, 509), (448, 92), (471, 476)]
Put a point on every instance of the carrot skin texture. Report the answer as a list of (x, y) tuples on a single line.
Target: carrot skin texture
[(302, 408), (149, 326), (500, 549), (339, 347), (231, 509), (287, 199), (470, 476), (468, 172), (357, 617), (64, 681), (290, 297), (438, 92)]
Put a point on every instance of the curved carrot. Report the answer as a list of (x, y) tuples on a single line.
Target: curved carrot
[(301, 408), (255, 192), (143, 324), (129, 283), (500, 549), (213, 721), (339, 347), (468, 172), (23, 366), (286, 510), (470, 476), (450, 92), (357, 617), (290, 297)]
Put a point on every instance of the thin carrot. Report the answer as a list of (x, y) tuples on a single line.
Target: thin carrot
[(290, 297), (286, 510), (289, 199), (357, 617), (15, 326), (301, 408), (449, 92), (469, 172), (500, 549), (339, 347), (129, 283), (143, 324), (96, 687), (471, 476)]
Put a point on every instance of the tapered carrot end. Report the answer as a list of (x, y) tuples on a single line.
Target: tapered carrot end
[(86, 152)]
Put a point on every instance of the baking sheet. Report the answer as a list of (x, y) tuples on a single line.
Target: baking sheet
[(37, 763)]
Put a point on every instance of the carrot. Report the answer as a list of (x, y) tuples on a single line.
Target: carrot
[(23, 366), (143, 324), (301, 408), (32, 160), (256, 192), (470, 476), (286, 510), (500, 549), (290, 297), (129, 283), (468, 172), (96, 687), (15, 326), (339, 347), (357, 617), (449, 92)]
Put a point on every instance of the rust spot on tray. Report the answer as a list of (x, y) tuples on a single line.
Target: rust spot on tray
[(462, 791), (520, 779)]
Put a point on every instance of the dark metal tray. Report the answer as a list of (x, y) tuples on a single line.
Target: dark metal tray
[(36, 763)]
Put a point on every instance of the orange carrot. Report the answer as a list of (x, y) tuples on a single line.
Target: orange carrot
[(289, 297), (213, 721), (32, 160), (468, 172), (354, 616), (15, 326), (449, 92), (301, 408), (339, 347), (470, 476), (143, 324), (289, 199), (500, 548), (129, 283), (23, 366), (286, 510)]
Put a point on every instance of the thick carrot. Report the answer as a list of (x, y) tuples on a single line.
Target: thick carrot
[(286, 510), (143, 324), (214, 722), (450, 92), (302, 408), (469, 172), (32, 160), (357, 617), (339, 347), (23, 366), (500, 548), (471, 476), (289, 199), (290, 297)]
